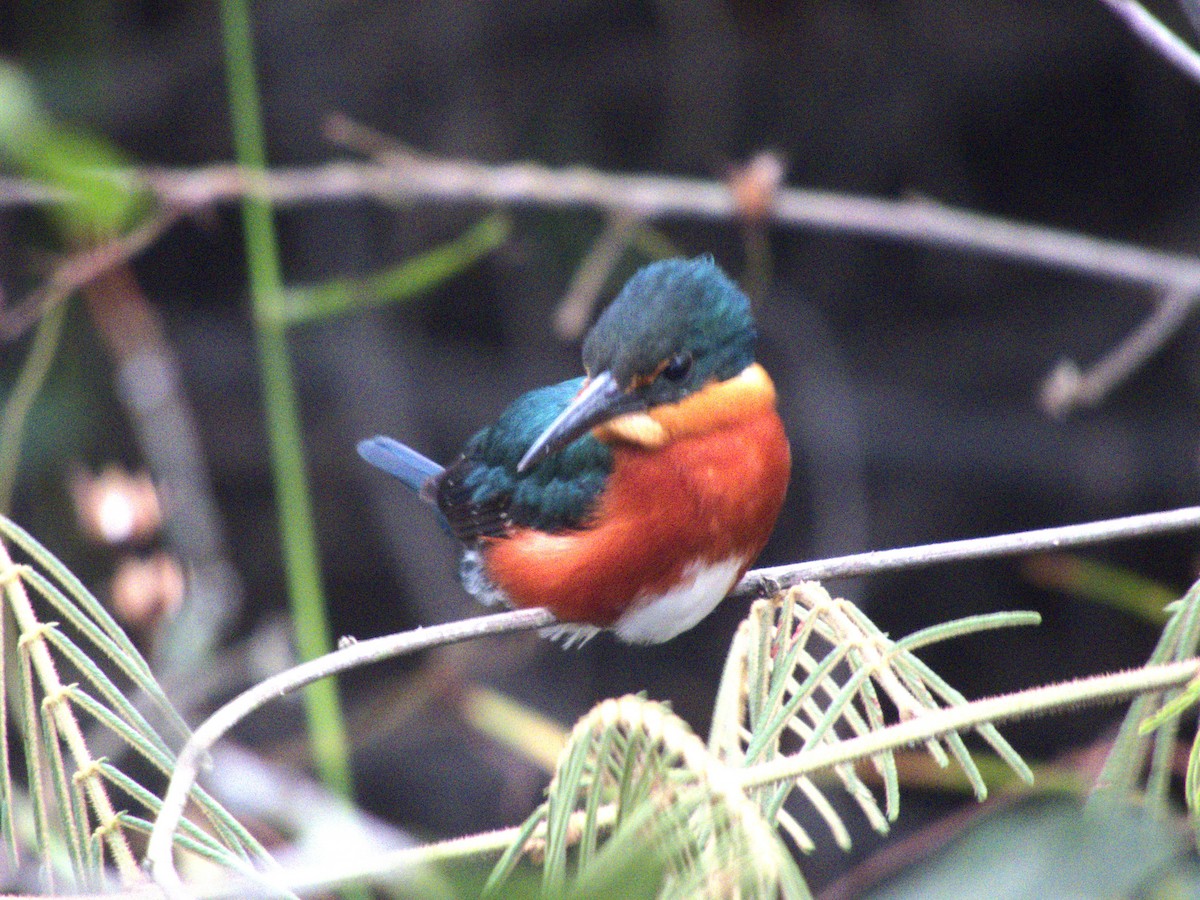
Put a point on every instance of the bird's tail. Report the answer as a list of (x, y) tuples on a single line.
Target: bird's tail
[(396, 459)]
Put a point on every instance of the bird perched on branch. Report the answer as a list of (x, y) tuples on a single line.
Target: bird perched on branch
[(633, 498)]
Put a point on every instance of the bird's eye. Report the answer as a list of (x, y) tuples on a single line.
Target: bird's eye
[(677, 367)]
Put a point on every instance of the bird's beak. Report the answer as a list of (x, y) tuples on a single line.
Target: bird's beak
[(600, 400)]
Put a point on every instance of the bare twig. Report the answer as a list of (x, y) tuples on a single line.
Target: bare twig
[(764, 582), (1067, 387), (158, 853), (754, 186), (1157, 36), (419, 178), (21, 192), (650, 196), (81, 269), (575, 308)]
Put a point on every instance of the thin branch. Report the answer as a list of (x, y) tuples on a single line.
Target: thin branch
[(933, 724), (80, 269), (1067, 387), (416, 178), (159, 855), (764, 582), (23, 192), (1157, 36), (421, 179), (575, 308)]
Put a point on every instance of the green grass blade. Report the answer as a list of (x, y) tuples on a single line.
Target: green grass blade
[(859, 679), (147, 739), (560, 804), (989, 733), (1171, 709), (163, 761), (306, 592), (964, 626), (512, 855), (411, 278), (22, 397), (771, 731), (122, 653), (72, 827), (93, 853), (35, 765), (235, 837), (214, 850), (589, 838)]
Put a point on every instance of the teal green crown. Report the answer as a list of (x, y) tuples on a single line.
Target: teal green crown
[(674, 307)]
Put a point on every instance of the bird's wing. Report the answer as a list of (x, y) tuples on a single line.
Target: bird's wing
[(482, 495)]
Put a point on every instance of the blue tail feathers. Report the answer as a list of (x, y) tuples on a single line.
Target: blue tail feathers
[(396, 459)]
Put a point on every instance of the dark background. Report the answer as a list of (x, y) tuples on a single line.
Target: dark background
[(908, 376)]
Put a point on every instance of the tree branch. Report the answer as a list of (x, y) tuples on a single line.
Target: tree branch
[(757, 583), (81, 269), (417, 178), (411, 179), (764, 582), (1157, 36), (1068, 387)]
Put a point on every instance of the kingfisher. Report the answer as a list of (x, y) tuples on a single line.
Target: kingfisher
[(632, 498)]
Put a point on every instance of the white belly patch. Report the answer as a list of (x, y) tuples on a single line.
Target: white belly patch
[(658, 618)]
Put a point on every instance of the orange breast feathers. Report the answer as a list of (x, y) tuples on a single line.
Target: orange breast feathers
[(701, 480)]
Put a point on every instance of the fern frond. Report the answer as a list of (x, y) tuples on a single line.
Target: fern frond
[(1141, 759), (80, 828), (807, 669), (634, 776)]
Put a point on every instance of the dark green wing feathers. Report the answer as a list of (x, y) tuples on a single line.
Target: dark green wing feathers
[(481, 494)]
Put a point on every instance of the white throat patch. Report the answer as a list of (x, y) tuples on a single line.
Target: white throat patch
[(654, 619)]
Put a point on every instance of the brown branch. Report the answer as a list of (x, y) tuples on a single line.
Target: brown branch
[(420, 179), (1068, 387), (80, 269), (1155, 35), (417, 178)]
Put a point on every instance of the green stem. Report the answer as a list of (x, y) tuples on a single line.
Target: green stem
[(935, 723), (327, 732), (20, 401)]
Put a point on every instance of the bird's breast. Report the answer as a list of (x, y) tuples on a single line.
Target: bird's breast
[(674, 529)]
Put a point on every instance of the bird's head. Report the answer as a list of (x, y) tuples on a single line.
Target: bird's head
[(676, 328)]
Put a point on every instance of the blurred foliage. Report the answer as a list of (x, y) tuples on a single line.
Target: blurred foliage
[(78, 163), (1053, 847), (20, 400), (1097, 582), (409, 279)]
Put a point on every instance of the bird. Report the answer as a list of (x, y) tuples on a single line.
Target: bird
[(632, 498)]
